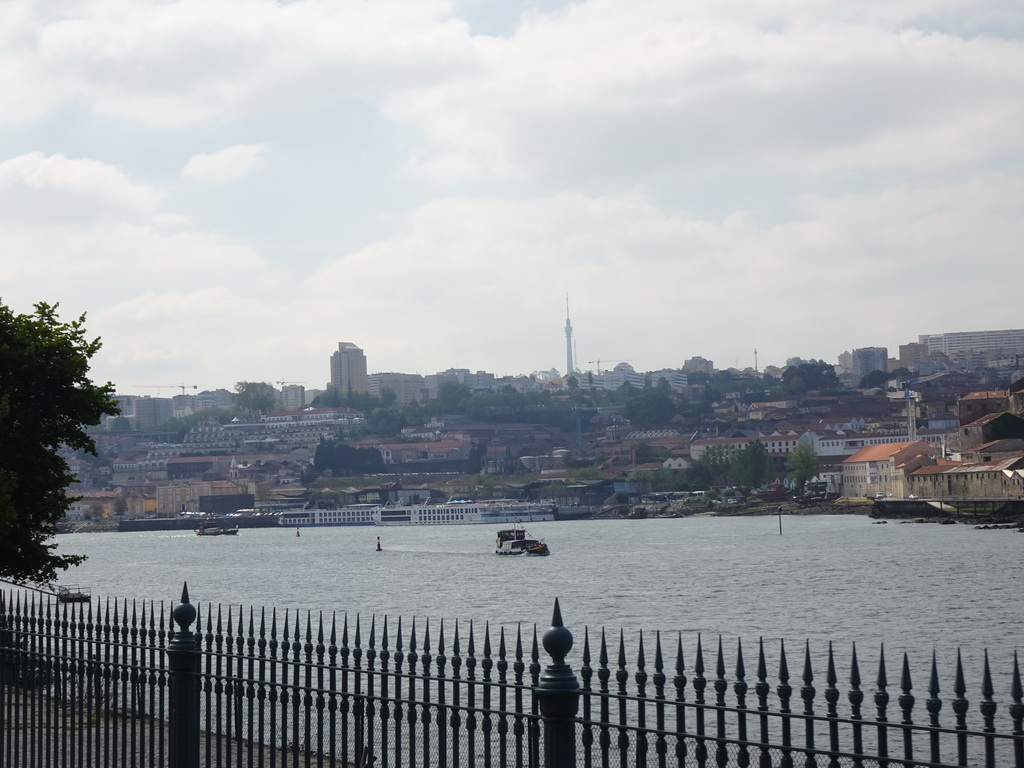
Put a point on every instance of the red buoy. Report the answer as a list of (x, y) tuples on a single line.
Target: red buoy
[(296, 531), (378, 545)]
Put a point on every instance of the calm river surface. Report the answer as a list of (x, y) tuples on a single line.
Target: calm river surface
[(840, 578)]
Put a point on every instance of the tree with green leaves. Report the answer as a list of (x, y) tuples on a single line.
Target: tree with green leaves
[(803, 465), (873, 379), (811, 375), (255, 397), (46, 401), (753, 464), (453, 397), (649, 408), (716, 466)]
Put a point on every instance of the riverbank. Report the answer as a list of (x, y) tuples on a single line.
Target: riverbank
[(691, 508)]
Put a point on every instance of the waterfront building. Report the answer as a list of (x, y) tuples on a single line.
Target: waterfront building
[(882, 469), (348, 369), (175, 498)]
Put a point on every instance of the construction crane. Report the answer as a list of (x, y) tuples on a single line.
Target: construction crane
[(598, 362), (283, 383), (158, 387)]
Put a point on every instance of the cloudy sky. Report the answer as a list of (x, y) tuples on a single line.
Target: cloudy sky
[(228, 188)]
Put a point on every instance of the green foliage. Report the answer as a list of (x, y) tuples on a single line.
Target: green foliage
[(656, 480), (388, 422), (46, 400), (873, 379), (811, 376), (119, 424), (753, 464), (344, 460), (803, 465), (255, 397), (716, 466), (453, 397), (649, 408)]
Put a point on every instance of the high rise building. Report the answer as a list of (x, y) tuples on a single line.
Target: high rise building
[(348, 369), (151, 412), (293, 397), (1008, 342), (868, 359)]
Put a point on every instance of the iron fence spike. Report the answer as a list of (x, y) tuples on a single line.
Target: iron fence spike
[(905, 683), (762, 667), (854, 669), (1016, 690)]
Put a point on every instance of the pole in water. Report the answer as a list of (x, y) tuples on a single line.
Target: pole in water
[(378, 545), (780, 519)]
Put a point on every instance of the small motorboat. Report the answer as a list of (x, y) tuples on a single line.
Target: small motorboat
[(73, 594), (516, 541), (213, 528)]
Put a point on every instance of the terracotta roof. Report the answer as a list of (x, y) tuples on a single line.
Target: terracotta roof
[(984, 395), (880, 452), (932, 469)]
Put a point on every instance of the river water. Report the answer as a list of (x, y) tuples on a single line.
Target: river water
[(914, 587)]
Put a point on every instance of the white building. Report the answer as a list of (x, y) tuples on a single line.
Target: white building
[(1008, 341)]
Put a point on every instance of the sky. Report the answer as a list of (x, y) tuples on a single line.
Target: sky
[(229, 188)]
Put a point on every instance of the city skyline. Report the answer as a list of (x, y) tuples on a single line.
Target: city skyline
[(227, 191)]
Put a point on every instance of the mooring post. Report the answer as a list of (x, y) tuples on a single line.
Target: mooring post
[(558, 692), (183, 687)]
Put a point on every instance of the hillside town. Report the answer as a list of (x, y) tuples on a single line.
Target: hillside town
[(932, 423)]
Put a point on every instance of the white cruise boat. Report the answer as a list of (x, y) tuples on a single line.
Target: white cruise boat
[(356, 514), (505, 511), (466, 513)]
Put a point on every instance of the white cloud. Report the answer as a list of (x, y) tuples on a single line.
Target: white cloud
[(606, 90), (80, 179), (185, 62), (227, 164)]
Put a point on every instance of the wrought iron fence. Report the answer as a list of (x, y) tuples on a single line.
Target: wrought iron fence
[(117, 683)]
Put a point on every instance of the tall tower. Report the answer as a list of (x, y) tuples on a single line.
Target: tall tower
[(569, 369), (348, 369)]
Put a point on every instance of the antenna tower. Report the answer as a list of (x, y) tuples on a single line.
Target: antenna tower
[(569, 369)]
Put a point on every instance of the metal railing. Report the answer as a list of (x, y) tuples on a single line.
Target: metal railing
[(122, 683)]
